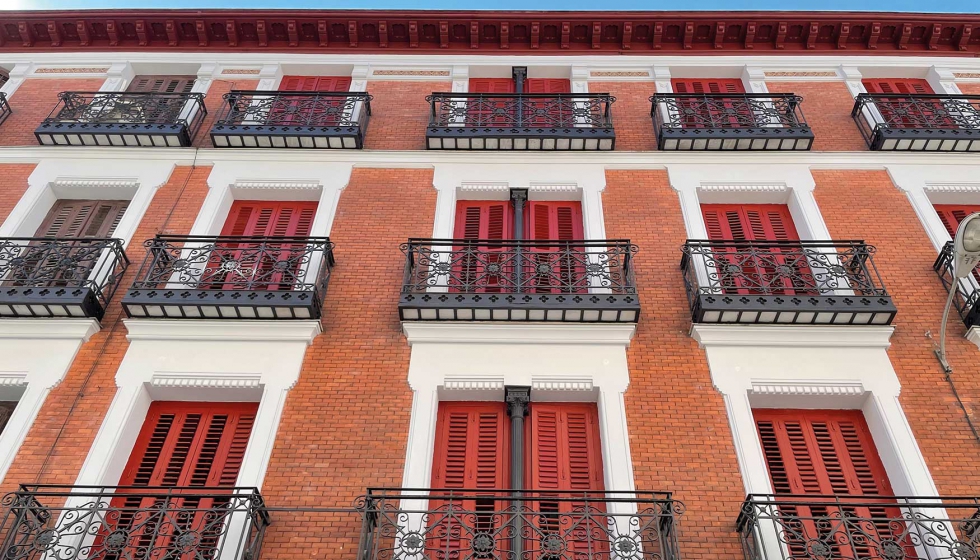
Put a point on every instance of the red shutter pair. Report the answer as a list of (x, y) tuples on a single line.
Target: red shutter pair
[(907, 112), (763, 259), (531, 85), (822, 453), (713, 112), (952, 214), (543, 220), (533, 112), (310, 110)]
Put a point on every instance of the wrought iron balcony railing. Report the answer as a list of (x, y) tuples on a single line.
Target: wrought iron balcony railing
[(725, 121), (123, 119), (428, 524), (812, 282), (292, 119), (520, 121), (4, 107), (59, 277), (231, 277), (494, 280), (967, 297), (919, 123), (43, 522), (795, 527)]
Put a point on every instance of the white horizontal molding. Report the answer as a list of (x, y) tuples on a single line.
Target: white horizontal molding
[(551, 384), (410, 73), (808, 388), (803, 336), (729, 187), (278, 185), (971, 188), (207, 380), (13, 378), (222, 330), (517, 333), (473, 384), (48, 329)]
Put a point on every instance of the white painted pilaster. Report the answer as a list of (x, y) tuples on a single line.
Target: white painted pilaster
[(118, 77), (16, 78)]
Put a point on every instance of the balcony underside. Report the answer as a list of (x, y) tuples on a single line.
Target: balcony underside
[(735, 139), (279, 136), (113, 134), (793, 309), (221, 304), (521, 138), (559, 308), (49, 301), (926, 139)]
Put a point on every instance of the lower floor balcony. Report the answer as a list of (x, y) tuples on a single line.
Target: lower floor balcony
[(544, 280), (966, 301), (59, 277), (792, 527), (231, 277), (431, 524), (43, 522), (785, 282)]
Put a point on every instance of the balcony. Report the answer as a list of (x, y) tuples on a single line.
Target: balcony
[(730, 122), (59, 277), (859, 527), (966, 301), (426, 524), (785, 282), (202, 277), (521, 121), (919, 123), (4, 107), (493, 280), (292, 119), (133, 523), (123, 119)]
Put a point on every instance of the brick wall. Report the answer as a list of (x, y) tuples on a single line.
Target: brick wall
[(827, 108), (631, 114), (399, 114), (33, 102), (905, 258), (62, 434), (13, 184), (354, 375), (969, 89), (678, 427), (215, 105)]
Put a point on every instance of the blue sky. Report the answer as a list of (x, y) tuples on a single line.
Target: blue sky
[(961, 6)]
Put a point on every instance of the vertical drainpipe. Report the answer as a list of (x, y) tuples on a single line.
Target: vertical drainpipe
[(520, 74), (518, 198), (517, 399)]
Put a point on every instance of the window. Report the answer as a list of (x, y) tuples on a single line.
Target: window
[(6, 409), (83, 218), (700, 111), (952, 214), (315, 83), (814, 455), (161, 84)]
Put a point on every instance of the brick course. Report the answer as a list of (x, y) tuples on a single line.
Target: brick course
[(399, 114), (827, 108), (33, 102), (904, 259), (13, 185), (631, 114)]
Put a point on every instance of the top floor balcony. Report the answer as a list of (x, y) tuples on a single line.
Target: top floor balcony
[(919, 122), (729, 121), (521, 121), (292, 119), (123, 119)]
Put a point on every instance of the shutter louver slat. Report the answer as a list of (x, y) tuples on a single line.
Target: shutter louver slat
[(542, 223), (496, 222), (161, 84), (206, 455), (180, 452)]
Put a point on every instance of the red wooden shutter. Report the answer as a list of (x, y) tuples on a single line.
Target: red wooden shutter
[(713, 113), (270, 218), (491, 85), (315, 83), (484, 219), (749, 222), (6, 409), (904, 86), (565, 452), (82, 218), (952, 214), (555, 267), (547, 85), (190, 444), (161, 84), (471, 446), (707, 86), (555, 220)]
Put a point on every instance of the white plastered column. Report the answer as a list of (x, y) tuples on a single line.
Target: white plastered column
[(118, 77), (35, 355), (662, 84)]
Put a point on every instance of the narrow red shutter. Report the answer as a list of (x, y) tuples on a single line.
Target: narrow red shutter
[(471, 446), (190, 444), (901, 86), (6, 409), (547, 85), (270, 218), (161, 84), (484, 219), (491, 85), (554, 220), (565, 452), (82, 218), (750, 222), (315, 83), (952, 214), (333, 83), (707, 86)]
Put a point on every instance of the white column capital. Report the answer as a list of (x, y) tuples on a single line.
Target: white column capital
[(754, 80), (943, 81), (16, 77), (118, 77), (852, 79), (269, 77), (460, 77), (580, 79), (661, 77)]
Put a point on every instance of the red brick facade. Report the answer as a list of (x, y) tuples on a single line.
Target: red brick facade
[(827, 109), (33, 102), (399, 114)]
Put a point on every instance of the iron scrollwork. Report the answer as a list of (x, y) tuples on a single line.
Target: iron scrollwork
[(128, 108), (727, 111), (295, 109), (527, 110)]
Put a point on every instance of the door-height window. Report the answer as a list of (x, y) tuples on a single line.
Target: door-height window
[(265, 218), (315, 83), (161, 84), (897, 86), (712, 110), (952, 214), (903, 111), (536, 220), (82, 218)]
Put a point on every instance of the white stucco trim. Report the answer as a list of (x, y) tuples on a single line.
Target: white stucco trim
[(37, 354), (123, 179), (257, 361), (474, 361), (812, 367), (926, 185)]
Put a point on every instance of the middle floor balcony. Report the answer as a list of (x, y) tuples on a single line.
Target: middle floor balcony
[(521, 121), (231, 277), (785, 282), (529, 280), (966, 301), (918, 122)]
